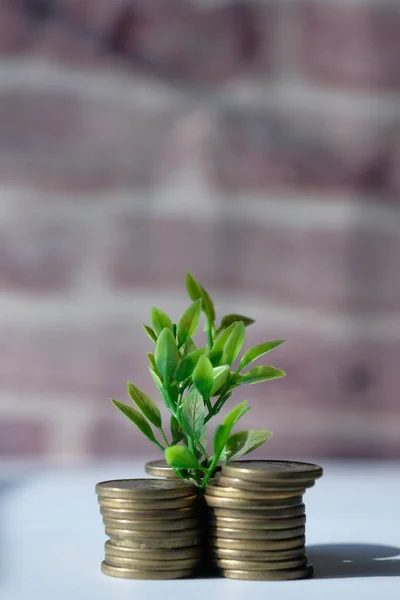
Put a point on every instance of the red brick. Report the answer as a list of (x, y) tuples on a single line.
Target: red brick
[(351, 45), (39, 254), (342, 270), (112, 436), (64, 141), (19, 437), (15, 32), (88, 360), (272, 151), (59, 43), (182, 40)]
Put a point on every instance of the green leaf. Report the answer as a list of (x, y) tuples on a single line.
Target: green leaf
[(243, 442), (159, 320), (177, 432), (253, 353), (203, 376), (196, 291), (188, 322), (234, 343), (180, 457), (220, 376), (235, 414), (187, 364), (215, 355), (137, 418), (173, 392), (192, 414), (166, 354), (261, 374), (163, 392), (221, 436), (153, 365), (229, 319), (145, 404), (150, 332)]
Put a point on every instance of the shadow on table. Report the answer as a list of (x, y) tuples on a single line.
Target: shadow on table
[(354, 560)]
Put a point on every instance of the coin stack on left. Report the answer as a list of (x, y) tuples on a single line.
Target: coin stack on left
[(153, 526)]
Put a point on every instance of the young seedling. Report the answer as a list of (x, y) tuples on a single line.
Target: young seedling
[(195, 383)]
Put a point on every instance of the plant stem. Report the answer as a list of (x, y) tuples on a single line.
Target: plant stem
[(209, 334), (161, 430), (210, 471), (208, 404)]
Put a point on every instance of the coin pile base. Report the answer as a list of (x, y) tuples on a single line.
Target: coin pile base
[(153, 526), (257, 520)]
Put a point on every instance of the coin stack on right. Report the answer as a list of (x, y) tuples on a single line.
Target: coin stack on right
[(153, 526), (257, 519)]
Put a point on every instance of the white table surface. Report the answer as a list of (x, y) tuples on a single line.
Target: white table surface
[(52, 539)]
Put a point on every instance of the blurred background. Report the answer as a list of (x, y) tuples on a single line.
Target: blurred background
[(255, 143)]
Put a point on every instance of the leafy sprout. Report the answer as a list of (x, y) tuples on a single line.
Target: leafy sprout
[(195, 383)]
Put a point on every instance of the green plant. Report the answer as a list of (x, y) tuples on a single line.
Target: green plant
[(195, 383)]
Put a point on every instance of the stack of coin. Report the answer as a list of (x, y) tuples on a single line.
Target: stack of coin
[(153, 526), (257, 519)]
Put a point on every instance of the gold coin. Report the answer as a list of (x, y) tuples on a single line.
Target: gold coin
[(251, 505), (121, 532), (267, 486), (150, 505), (158, 565), (160, 468), (254, 534), (144, 489), (265, 470), (248, 565), (240, 494), (149, 515), (159, 554), (126, 573), (145, 526), (249, 524), (155, 544), (267, 545), (271, 513), (259, 555), (280, 575)]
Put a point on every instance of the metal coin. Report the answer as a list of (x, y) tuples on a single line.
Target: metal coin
[(259, 555), (254, 534), (131, 534), (150, 505), (249, 524), (159, 554), (266, 486), (126, 573), (241, 494), (255, 505), (149, 515), (144, 489), (267, 545), (280, 575), (161, 526), (160, 468), (248, 565), (158, 565), (155, 544), (248, 513), (265, 470)]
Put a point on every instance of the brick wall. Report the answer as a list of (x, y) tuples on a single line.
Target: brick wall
[(255, 143)]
